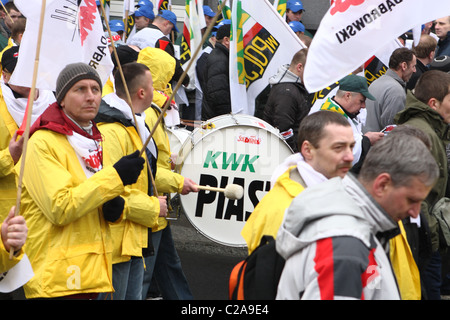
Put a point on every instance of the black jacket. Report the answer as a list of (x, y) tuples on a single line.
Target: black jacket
[(287, 104), (216, 95)]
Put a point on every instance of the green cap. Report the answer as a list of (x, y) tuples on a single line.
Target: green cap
[(354, 83)]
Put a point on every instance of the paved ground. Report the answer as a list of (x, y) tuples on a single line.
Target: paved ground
[(206, 264)]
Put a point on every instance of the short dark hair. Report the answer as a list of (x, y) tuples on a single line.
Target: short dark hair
[(311, 127), (300, 57), (133, 73), (399, 56), (432, 84), (401, 156)]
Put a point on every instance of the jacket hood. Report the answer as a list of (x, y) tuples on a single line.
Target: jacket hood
[(415, 108), (348, 211), (109, 114), (284, 75), (161, 65)]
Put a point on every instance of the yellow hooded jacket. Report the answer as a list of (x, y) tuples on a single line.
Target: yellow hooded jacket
[(8, 189), (141, 211), (268, 215), (69, 243), (5, 262), (162, 67)]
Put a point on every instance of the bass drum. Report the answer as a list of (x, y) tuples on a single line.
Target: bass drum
[(229, 149)]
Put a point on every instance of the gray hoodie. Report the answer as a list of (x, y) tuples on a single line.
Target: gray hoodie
[(341, 213)]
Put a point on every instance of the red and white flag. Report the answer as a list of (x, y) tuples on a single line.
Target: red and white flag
[(72, 32), (352, 31)]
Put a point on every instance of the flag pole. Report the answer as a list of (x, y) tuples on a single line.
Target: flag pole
[(130, 103), (28, 118), (180, 81)]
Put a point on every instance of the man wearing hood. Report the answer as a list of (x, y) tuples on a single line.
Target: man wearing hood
[(333, 234), (287, 102)]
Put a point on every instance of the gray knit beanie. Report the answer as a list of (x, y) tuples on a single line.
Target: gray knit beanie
[(71, 74)]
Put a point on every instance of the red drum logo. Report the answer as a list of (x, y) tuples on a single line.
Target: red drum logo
[(343, 5)]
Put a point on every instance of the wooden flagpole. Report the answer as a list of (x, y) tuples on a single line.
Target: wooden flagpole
[(119, 66), (27, 127)]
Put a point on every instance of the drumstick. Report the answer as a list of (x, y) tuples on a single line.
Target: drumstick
[(231, 191)]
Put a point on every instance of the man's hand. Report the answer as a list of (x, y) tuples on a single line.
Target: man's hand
[(16, 147), (374, 137), (189, 186), (14, 231), (162, 206)]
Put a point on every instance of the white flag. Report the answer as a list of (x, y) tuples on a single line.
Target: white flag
[(128, 5), (71, 33), (261, 42), (17, 276), (353, 30)]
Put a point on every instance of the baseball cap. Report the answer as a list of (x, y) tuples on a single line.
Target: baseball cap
[(208, 11), (9, 58), (441, 63), (297, 26), (170, 16), (354, 83), (116, 25), (145, 3), (145, 11), (294, 5)]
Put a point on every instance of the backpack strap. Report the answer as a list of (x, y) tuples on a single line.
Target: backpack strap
[(236, 282)]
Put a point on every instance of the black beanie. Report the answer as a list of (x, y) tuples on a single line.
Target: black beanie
[(71, 74), (224, 31)]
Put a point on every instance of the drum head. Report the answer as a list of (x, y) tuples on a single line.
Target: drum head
[(232, 149)]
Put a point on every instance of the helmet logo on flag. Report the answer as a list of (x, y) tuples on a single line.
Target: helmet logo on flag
[(343, 5), (87, 18), (259, 48)]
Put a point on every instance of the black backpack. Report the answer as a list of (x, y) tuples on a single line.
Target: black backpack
[(256, 277)]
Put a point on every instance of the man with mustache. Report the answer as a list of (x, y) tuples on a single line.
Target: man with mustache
[(325, 141)]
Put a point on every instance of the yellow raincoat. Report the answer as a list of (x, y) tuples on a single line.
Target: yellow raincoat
[(5, 262), (405, 267), (141, 212), (162, 67), (69, 243), (268, 215), (8, 189)]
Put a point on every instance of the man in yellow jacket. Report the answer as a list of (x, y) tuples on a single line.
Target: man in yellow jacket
[(165, 265), (326, 142), (122, 135), (13, 102), (70, 192)]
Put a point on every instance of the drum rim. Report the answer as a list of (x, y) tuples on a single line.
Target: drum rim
[(192, 143)]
